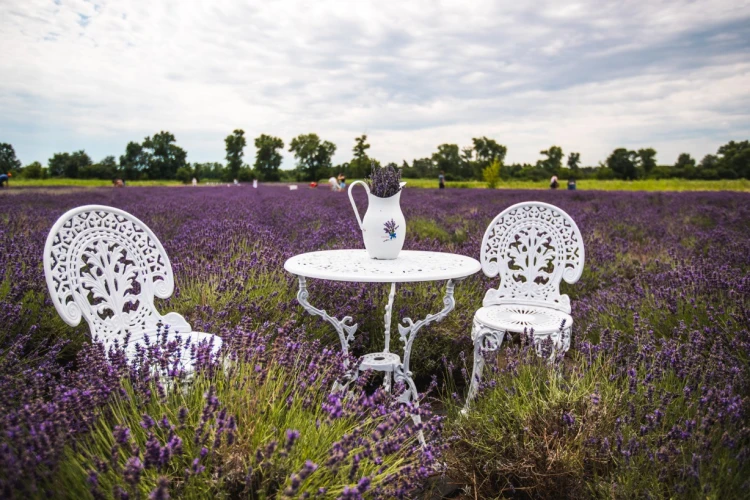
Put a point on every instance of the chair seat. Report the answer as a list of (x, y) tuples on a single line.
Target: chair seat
[(379, 361), (516, 318)]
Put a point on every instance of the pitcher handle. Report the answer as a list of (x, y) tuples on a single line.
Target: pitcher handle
[(351, 198)]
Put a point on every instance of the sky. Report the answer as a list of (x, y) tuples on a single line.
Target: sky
[(588, 76)]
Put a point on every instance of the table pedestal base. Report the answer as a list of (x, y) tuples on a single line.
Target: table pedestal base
[(391, 364)]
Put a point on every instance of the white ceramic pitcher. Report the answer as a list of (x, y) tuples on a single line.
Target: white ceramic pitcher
[(383, 227)]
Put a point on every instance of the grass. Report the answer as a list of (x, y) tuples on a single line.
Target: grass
[(599, 185), (583, 185)]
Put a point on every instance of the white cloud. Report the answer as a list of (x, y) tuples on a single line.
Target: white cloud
[(589, 75)]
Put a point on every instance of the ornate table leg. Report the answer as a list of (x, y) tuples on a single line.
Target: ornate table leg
[(408, 332), (343, 327), (387, 376), (485, 340)]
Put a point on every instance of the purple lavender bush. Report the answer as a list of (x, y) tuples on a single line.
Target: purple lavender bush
[(652, 399)]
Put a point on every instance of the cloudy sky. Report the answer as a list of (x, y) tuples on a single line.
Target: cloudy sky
[(588, 76)]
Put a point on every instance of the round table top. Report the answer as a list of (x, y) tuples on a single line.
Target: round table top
[(357, 266)]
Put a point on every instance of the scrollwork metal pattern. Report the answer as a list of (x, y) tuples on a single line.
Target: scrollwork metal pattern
[(343, 329), (106, 266), (532, 246)]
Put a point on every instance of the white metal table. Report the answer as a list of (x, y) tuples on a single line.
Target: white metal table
[(356, 266)]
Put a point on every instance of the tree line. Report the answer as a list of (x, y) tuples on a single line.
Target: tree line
[(159, 157)]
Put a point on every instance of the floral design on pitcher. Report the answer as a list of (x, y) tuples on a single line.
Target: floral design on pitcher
[(390, 229)]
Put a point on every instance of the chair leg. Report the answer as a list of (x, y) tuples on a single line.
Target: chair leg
[(485, 340)]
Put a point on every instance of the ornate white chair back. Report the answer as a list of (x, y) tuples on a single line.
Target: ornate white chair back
[(532, 246), (106, 266)]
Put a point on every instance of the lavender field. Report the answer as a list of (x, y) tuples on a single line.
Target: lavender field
[(651, 401)]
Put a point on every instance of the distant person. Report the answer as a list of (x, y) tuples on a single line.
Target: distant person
[(4, 178), (195, 181), (236, 183), (117, 183), (441, 179), (334, 184), (255, 183), (342, 183), (571, 184), (553, 184)]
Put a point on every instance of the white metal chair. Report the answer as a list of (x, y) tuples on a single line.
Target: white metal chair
[(532, 246), (106, 266)]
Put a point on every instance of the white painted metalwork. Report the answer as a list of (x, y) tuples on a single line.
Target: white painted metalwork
[(532, 246), (356, 266), (105, 266)]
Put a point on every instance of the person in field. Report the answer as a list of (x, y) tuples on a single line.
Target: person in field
[(571, 184), (334, 184), (441, 179), (4, 178), (553, 183), (342, 182)]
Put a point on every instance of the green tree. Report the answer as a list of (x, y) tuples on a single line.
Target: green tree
[(57, 164), (267, 157), (313, 156), (709, 161), (685, 161), (734, 159), (68, 165), (133, 162), (647, 159), (421, 168), (448, 160), (235, 147), (163, 156), (574, 160), (622, 163), (491, 173), (553, 162), (487, 150), (8, 161), (360, 165), (33, 170), (105, 169), (185, 174)]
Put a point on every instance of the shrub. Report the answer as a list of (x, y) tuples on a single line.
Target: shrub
[(491, 174)]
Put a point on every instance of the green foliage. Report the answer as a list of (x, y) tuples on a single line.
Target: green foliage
[(685, 161), (448, 159), (734, 159), (246, 174), (68, 165), (553, 163), (491, 174), (133, 162), (420, 169), (267, 157), (163, 157), (313, 156), (8, 161), (623, 163), (34, 170), (184, 174), (647, 159), (235, 146), (105, 169), (574, 161), (256, 463), (360, 165), (209, 170)]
